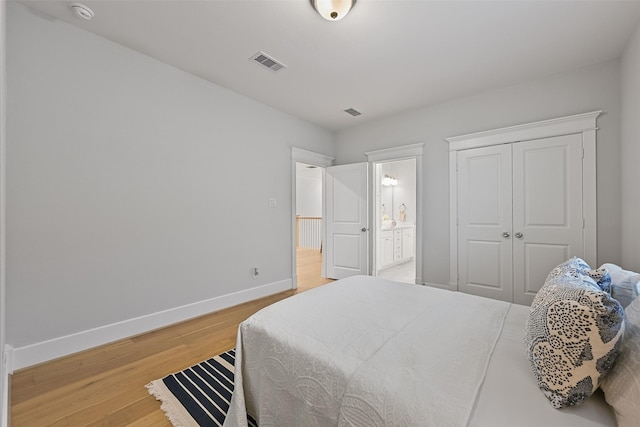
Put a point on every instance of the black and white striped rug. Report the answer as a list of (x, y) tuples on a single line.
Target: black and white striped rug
[(199, 395)]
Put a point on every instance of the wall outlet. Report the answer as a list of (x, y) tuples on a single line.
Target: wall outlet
[(255, 273)]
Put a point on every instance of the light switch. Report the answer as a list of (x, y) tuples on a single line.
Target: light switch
[(273, 202)]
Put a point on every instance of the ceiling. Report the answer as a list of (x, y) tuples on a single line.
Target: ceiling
[(385, 57)]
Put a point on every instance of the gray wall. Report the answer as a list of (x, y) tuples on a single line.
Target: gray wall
[(4, 407), (631, 153), (589, 89), (134, 187)]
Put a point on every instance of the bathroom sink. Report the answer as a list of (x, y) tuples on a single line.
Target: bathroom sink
[(388, 225)]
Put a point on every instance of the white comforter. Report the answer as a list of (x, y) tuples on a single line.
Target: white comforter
[(365, 352)]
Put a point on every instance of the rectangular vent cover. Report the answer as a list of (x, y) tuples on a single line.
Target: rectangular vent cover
[(352, 111), (268, 62)]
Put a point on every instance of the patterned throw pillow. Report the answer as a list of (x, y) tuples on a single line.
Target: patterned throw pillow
[(602, 278), (573, 334)]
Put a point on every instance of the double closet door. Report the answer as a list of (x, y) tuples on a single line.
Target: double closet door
[(519, 214)]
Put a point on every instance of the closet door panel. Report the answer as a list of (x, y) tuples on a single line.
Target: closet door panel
[(547, 206), (484, 222)]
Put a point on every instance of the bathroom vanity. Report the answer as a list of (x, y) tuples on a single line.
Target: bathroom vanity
[(397, 245)]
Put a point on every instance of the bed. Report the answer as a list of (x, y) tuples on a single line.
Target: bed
[(365, 351)]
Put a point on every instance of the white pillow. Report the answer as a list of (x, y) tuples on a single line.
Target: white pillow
[(625, 285), (622, 385)]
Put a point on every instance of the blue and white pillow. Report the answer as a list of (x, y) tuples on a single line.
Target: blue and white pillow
[(602, 278), (573, 334)]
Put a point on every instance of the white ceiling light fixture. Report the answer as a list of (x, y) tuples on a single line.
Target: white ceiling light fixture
[(333, 10), (82, 11)]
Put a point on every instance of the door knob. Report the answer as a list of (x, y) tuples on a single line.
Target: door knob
[(506, 234), (519, 235), (364, 229)]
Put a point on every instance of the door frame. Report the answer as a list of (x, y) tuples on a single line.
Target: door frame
[(584, 124), (405, 152), (298, 155)]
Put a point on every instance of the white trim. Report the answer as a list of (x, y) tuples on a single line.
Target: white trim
[(437, 285), (412, 151), (7, 369), (584, 124), (577, 123), (396, 153), (589, 200), (8, 359), (315, 159), (305, 156), (63, 346), (453, 221)]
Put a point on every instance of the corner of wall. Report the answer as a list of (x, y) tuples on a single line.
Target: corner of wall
[(7, 369)]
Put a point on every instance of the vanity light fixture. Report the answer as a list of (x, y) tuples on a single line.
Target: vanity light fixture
[(389, 180), (333, 10)]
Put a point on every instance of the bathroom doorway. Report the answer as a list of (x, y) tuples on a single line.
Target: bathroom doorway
[(395, 214)]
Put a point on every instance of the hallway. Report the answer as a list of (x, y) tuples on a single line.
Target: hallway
[(309, 264)]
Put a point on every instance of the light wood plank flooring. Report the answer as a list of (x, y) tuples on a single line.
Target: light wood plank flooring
[(105, 386)]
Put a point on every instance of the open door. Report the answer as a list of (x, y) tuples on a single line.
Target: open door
[(347, 242)]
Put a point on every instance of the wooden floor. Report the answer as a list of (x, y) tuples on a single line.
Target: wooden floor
[(105, 386)]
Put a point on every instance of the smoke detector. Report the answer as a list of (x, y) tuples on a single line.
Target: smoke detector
[(82, 11)]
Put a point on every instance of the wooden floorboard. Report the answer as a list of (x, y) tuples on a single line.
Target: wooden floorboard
[(105, 386)]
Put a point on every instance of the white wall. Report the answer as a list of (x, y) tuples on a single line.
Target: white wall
[(127, 186), (308, 190), (404, 192), (630, 152), (588, 89)]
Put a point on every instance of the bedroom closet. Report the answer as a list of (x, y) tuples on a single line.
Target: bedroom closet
[(522, 201)]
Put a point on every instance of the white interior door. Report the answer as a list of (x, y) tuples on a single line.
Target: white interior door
[(547, 205), (347, 244), (484, 222)]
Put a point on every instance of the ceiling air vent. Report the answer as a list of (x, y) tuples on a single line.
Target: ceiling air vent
[(352, 111), (267, 61)]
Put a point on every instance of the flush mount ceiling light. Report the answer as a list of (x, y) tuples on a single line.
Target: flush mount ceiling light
[(82, 11), (333, 10)]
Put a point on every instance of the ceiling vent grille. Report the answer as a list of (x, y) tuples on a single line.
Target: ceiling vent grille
[(268, 62), (352, 111)]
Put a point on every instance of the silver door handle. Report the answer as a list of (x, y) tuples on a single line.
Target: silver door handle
[(519, 235), (506, 234)]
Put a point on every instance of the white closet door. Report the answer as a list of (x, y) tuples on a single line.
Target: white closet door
[(484, 222), (547, 206)]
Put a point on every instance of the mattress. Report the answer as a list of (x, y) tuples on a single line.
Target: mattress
[(509, 395), (365, 351)]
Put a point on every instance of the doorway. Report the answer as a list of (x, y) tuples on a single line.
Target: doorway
[(307, 263), (395, 213), (389, 254), (412, 152), (309, 225)]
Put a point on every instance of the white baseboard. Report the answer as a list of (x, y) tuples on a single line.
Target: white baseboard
[(69, 344), (440, 286)]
